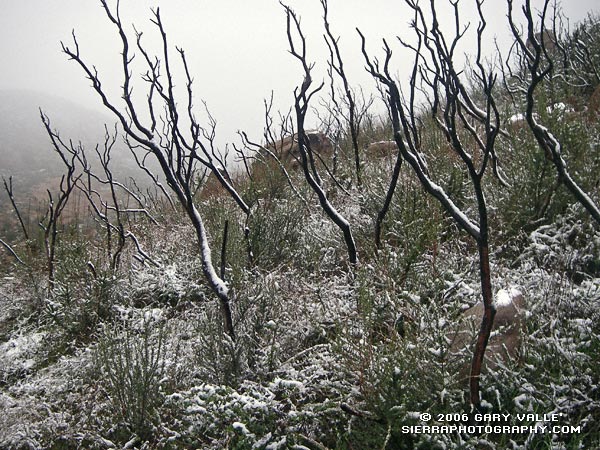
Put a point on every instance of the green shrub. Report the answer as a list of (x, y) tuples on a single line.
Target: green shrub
[(132, 362)]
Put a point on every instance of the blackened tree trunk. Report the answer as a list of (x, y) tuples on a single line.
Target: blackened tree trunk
[(455, 112)]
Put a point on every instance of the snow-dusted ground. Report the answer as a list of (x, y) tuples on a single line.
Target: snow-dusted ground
[(307, 344)]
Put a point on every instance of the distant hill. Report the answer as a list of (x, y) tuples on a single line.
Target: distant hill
[(26, 152)]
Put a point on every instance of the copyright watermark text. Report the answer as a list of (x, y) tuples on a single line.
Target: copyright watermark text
[(449, 423)]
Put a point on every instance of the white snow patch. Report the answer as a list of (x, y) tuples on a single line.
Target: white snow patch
[(263, 441), (504, 297), (443, 394), (153, 315), (18, 353), (277, 445), (287, 384), (519, 400), (131, 442), (486, 405), (517, 118), (240, 427), (560, 107), (437, 352)]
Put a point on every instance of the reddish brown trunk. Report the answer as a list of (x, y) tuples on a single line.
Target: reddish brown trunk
[(486, 323)]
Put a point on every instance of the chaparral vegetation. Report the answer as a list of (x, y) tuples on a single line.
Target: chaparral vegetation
[(325, 284)]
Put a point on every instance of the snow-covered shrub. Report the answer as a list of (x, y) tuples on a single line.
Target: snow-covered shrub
[(21, 354), (216, 416), (215, 357), (535, 195), (168, 284), (277, 233), (395, 352), (300, 404), (133, 360), (570, 245), (74, 310)]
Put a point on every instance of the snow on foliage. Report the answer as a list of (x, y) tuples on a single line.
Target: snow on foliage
[(504, 297), (309, 339), (21, 354)]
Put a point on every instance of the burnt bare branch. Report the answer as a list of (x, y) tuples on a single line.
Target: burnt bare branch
[(302, 96), (8, 187), (539, 64), (471, 131)]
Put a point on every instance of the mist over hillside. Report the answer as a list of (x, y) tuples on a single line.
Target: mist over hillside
[(26, 152)]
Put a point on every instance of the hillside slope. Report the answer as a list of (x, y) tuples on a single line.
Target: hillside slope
[(26, 152)]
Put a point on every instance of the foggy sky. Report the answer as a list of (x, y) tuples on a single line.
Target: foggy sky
[(237, 49)]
